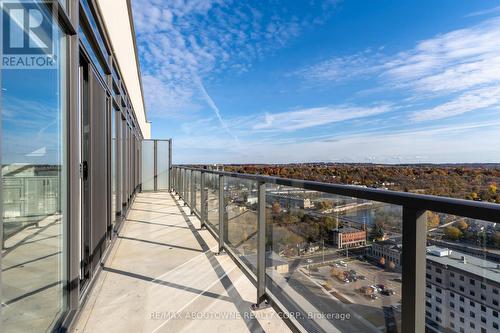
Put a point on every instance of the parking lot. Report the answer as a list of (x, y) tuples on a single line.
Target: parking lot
[(380, 311)]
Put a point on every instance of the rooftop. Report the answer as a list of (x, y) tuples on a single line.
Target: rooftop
[(484, 269)]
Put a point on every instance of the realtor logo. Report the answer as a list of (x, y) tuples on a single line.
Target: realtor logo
[(28, 33)]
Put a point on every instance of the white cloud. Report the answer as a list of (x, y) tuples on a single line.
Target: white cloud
[(484, 12), (451, 62), (462, 67), (473, 100), (343, 68), (180, 41), (312, 117)]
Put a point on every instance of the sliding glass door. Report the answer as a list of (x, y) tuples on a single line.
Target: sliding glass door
[(33, 169)]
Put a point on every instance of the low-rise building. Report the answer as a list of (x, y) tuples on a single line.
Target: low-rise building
[(389, 249), (289, 201), (347, 237)]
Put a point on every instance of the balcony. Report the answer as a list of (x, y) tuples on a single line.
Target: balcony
[(163, 272), (181, 265)]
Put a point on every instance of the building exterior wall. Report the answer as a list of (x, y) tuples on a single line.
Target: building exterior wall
[(378, 251), (77, 185), (459, 301), (346, 239)]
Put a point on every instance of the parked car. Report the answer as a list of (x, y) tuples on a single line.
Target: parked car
[(361, 277), (373, 296), (389, 292), (380, 286)]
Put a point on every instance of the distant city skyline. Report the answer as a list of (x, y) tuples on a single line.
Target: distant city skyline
[(323, 81)]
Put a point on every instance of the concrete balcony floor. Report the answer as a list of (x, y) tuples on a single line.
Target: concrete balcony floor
[(162, 275)]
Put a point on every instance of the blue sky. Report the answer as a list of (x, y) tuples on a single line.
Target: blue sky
[(342, 81)]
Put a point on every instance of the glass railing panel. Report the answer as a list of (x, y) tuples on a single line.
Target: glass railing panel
[(197, 187), (163, 163), (212, 190), (462, 274), (187, 186), (241, 209), (334, 261), (148, 166)]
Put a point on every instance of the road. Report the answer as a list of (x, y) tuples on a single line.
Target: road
[(324, 303)]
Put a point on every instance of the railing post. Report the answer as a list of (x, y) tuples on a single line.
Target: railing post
[(203, 199), (181, 183), (186, 187), (413, 274), (222, 211), (193, 191), (261, 246)]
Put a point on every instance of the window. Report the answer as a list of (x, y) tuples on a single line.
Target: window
[(483, 286), (495, 302), (472, 293), (462, 309), (461, 298), (495, 313), (483, 308), (428, 304), (495, 291), (462, 278), (483, 330), (452, 285), (462, 288), (438, 300), (438, 309), (495, 325), (472, 325), (472, 304), (452, 315), (452, 305), (483, 297), (33, 173), (438, 290), (472, 314), (472, 282), (483, 319), (428, 295), (438, 270), (462, 319), (428, 276), (452, 295), (438, 280), (452, 274)]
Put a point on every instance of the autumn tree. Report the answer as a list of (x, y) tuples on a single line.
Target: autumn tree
[(276, 209), (432, 220), (377, 231), (496, 239), (452, 233), (493, 188), (462, 225), (324, 205), (381, 261)]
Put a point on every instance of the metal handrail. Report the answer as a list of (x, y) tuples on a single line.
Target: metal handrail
[(466, 208), (414, 231)]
